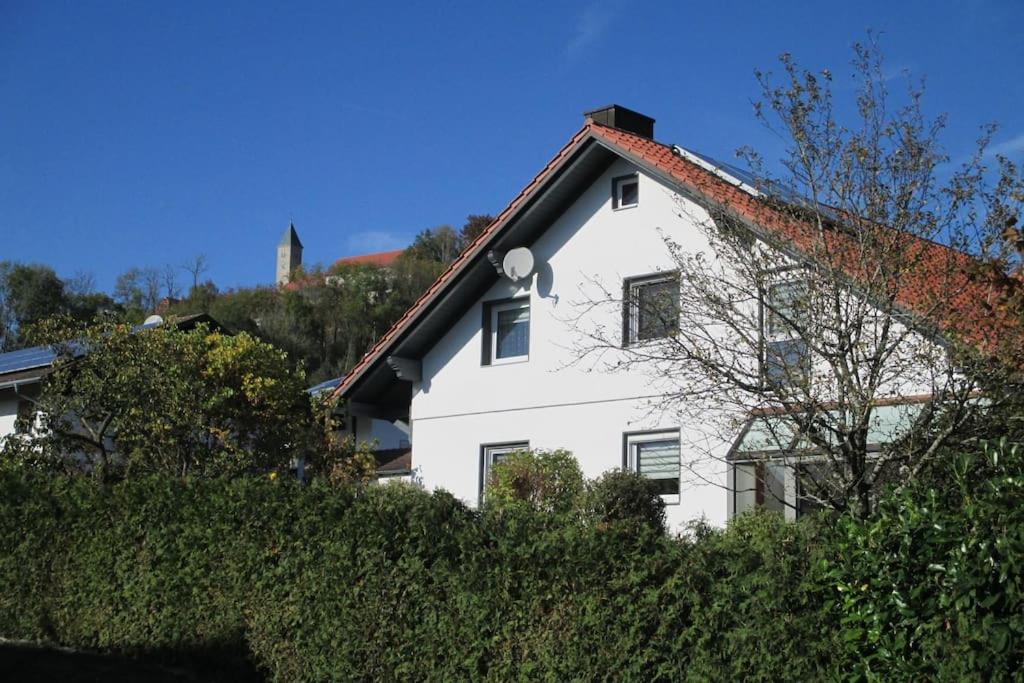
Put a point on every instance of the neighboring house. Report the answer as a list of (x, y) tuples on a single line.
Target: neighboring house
[(482, 364), (390, 440), (22, 372)]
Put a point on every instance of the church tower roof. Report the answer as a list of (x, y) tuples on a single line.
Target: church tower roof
[(290, 238)]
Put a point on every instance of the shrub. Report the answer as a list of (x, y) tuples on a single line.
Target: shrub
[(620, 496), (932, 586), (548, 481), (333, 583)]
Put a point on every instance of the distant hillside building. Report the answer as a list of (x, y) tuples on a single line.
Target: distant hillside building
[(289, 255), (380, 258)]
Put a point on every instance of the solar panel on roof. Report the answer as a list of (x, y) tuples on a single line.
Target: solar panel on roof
[(26, 359), (324, 386), (766, 186)]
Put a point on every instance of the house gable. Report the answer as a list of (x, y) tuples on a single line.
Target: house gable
[(587, 155)]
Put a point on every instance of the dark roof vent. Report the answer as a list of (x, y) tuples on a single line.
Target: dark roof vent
[(619, 117)]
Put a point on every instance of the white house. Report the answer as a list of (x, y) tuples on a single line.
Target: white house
[(484, 362)]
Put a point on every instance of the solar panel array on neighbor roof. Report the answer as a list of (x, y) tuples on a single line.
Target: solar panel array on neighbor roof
[(26, 359)]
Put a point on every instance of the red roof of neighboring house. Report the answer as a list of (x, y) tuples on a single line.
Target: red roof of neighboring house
[(380, 258), (972, 308)]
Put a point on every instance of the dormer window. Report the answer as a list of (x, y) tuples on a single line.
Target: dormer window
[(625, 191)]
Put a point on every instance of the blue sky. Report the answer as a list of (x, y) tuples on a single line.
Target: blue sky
[(143, 133)]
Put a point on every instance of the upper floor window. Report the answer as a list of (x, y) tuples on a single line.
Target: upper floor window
[(651, 307), (655, 455), (625, 191), (785, 315), (506, 331)]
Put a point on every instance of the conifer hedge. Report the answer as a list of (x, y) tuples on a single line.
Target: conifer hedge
[(313, 584)]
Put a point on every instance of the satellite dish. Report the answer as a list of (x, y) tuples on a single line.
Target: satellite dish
[(518, 263), (153, 321)]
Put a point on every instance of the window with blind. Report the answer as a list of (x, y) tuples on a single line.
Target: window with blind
[(655, 456)]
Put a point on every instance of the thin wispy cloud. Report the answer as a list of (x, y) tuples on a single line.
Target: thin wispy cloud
[(1008, 148), (374, 240), (891, 73), (591, 26)]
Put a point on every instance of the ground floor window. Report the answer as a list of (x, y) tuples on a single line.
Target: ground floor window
[(793, 489), (655, 455), (492, 454)]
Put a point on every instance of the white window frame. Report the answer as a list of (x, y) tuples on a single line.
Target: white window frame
[(772, 337), (499, 308), (632, 439), (632, 332), (487, 453), (617, 184)]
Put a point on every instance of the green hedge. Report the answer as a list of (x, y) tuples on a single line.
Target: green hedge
[(394, 583)]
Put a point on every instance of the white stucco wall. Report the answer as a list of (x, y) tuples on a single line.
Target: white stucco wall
[(461, 404), (384, 434), (555, 400), (8, 413)]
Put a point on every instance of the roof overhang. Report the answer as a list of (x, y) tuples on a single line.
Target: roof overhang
[(580, 164)]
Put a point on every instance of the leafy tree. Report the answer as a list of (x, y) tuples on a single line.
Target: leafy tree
[(475, 224), (138, 290), (30, 293), (121, 402), (33, 292), (440, 244)]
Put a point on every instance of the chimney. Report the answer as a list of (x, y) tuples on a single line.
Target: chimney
[(617, 116)]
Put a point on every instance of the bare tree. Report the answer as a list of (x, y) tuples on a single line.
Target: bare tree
[(196, 266), (170, 282), (831, 327), (152, 283), (81, 283)]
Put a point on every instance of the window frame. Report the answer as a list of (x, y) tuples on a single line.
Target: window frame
[(772, 338), (487, 453), (617, 183), (489, 330), (629, 455), (631, 305), (794, 491)]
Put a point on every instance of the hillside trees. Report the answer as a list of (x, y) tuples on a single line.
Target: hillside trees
[(30, 293), (329, 317)]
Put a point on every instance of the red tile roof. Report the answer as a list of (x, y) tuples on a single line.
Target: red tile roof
[(380, 258), (972, 308)]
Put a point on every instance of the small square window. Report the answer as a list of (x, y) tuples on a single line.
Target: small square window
[(509, 332), (655, 455), (625, 191), (651, 308), (492, 454)]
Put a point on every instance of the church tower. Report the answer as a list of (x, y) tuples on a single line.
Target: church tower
[(289, 255)]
